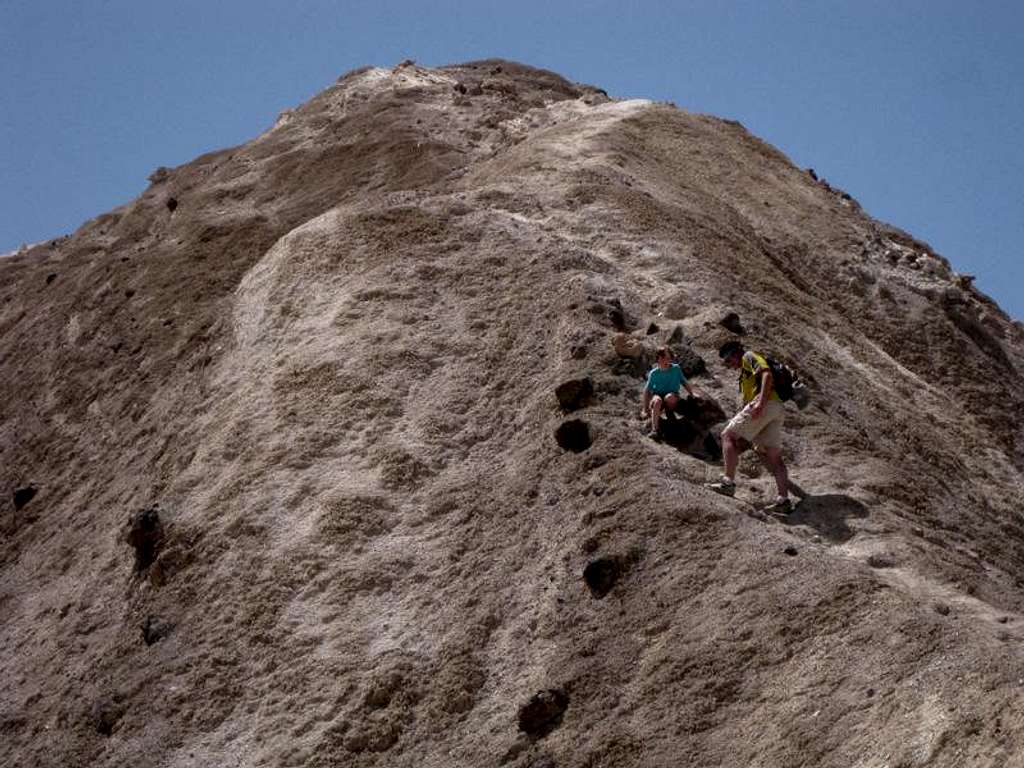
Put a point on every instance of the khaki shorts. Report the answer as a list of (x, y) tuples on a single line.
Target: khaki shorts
[(766, 431)]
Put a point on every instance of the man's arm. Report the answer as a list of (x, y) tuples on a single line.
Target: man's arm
[(764, 392), (646, 409)]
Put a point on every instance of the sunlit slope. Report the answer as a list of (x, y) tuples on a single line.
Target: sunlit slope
[(330, 356)]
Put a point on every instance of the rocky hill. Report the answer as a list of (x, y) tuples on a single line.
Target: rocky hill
[(288, 483)]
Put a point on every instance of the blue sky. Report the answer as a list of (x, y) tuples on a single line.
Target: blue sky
[(915, 108)]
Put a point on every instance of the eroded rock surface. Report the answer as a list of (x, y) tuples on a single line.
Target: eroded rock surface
[(331, 352)]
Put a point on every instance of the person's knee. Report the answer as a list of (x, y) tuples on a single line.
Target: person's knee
[(656, 401), (671, 401), (729, 438)]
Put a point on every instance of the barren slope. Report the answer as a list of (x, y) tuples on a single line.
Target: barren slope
[(330, 356)]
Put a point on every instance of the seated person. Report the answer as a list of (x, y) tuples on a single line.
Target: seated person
[(662, 389)]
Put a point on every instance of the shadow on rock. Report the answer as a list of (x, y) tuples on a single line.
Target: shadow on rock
[(543, 713), (689, 430), (828, 515)]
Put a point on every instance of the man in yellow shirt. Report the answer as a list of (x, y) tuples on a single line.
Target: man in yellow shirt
[(759, 422)]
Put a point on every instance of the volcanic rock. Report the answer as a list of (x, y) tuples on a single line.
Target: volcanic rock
[(337, 369), (574, 393)]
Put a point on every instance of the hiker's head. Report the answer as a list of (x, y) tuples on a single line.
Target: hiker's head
[(663, 357), (731, 353)]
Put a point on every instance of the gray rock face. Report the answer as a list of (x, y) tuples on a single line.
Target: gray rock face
[(332, 360)]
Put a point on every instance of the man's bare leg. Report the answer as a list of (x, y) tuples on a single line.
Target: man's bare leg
[(730, 449), (773, 459), (731, 453)]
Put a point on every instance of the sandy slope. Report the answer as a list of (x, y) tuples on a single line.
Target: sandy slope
[(330, 356)]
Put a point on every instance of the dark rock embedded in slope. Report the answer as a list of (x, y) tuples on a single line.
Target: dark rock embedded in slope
[(23, 496), (574, 435), (145, 534), (703, 412), (543, 713), (731, 322), (610, 312), (105, 715), (601, 575), (574, 393), (691, 363), (155, 629)]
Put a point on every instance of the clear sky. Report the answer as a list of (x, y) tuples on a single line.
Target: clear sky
[(915, 107)]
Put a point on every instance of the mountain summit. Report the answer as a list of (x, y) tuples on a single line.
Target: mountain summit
[(325, 451)]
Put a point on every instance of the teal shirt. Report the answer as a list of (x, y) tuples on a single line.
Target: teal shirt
[(665, 382)]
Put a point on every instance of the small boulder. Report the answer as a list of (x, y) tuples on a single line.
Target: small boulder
[(679, 432), (574, 393), (627, 346), (617, 318), (145, 534), (574, 435), (691, 363), (155, 629), (731, 322), (105, 715), (23, 496), (601, 575), (609, 312), (590, 546), (878, 560), (543, 713), (702, 412)]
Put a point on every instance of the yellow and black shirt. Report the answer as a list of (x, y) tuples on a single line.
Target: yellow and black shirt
[(749, 385)]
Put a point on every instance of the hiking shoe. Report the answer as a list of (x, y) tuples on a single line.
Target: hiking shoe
[(725, 486), (779, 507)]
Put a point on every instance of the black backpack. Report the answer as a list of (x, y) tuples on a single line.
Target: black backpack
[(782, 378), (787, 384)]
